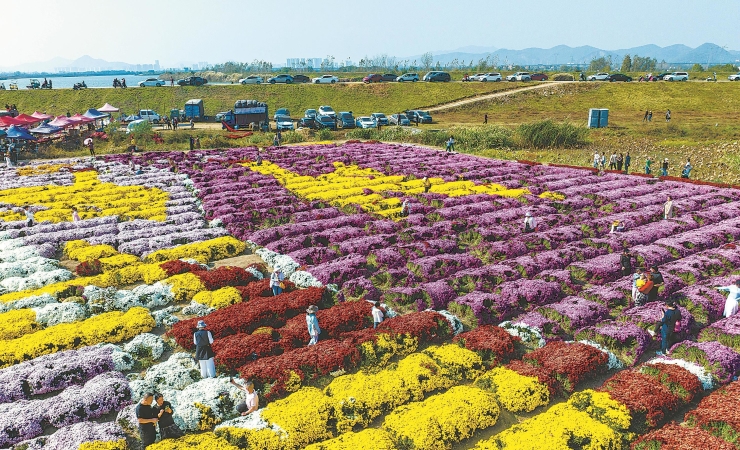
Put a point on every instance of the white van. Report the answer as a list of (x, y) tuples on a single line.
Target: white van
[(677, 76), (149, 115)]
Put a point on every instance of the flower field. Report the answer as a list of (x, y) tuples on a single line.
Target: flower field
[(493, 338)]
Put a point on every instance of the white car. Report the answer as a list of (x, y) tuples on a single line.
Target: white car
[(677, 76), (326, 111), (476, 77), (734, 77), (283, 123), (519, 76), (149, 115), (252, 79), (151, 82), (601, 76), (489, 77), (366, 122), (408, 77), (325, 79)]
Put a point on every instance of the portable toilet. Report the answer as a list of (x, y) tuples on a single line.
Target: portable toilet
[(604, 118), (194, 109), (174, 113), (598, 118)]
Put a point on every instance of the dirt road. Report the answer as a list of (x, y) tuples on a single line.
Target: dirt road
[(483, 97)]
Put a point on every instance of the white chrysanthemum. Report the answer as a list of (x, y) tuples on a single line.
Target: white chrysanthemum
[(257, 274), (196, 309), (121, 360), (56, 313), (613, 363), (146, 344), (706, 378), (304, 279), (455, 323), (274, 259), (33, 301), (175, 373), (36, 280), (525, 332), (207, 392)]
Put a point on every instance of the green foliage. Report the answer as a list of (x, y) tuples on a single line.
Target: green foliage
[(325, 134), (548, 134), (600, 64), (626, 64)]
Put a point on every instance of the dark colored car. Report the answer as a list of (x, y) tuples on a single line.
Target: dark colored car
[(307, 122), (192, 81), (301, 79), (660, 76), (282, 78), (437, 76), (373, 78), (539, 77), (346, 120), (423, 116), (618, 77), (388, 77), (326, 122)]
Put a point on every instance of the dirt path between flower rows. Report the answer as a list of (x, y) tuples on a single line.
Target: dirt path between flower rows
[(484, 97)]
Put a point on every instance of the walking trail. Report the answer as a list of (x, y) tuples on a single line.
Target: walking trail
[(484, 97)]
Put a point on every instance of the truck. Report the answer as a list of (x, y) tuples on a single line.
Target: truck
[(194, 109), (245, 113)]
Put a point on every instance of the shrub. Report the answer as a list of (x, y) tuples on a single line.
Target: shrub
[(563, 77), (548, 134)]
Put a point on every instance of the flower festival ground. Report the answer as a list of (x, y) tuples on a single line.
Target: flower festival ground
[(494, 339)]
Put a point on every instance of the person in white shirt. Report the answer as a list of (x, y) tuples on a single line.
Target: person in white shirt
[(530, 224), (252, 401), (276, 280), (597, 160), (613, 162), (377, 314), (75, 215), (29, 216), (733, 292), (668, 212)]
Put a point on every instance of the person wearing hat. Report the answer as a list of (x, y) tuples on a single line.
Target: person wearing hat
[(405, 208), (668, 212), (733, 293), (276, 281), (529, 223), (203, 351), (664, 168), (313, 324), (671, 316)]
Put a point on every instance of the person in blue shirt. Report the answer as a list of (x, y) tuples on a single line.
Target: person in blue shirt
[(671, 316), (313, 324)]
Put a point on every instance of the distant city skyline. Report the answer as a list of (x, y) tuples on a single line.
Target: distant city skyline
[(189, 32)]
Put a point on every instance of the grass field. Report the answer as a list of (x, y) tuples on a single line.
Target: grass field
[(359, 98)]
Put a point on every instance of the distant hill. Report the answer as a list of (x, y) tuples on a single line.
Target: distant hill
[(82, 64), (563, 54)]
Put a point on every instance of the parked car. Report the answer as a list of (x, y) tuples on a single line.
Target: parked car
[(301, 79), (539, 77), (399, 119), (734, 77), (282, 78), (283, 122), (519, 76), (327, 110), (328, 79), (149, 115), (192, 81), (224, 116), (310, 113), (307, 122), (252, 79), (366, 122), (423, 116), (493, 76), (677, 76), (437, 76), (281, 112), (151, 82), (329, 122), (601, 76), (346, 119), (408, 77), (618, 77), (388, 77), (475, 77), (373, 78), (660, 76), (379, 118)]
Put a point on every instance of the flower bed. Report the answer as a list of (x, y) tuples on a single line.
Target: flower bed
[(719, 412), (722, 362), (676, 437), (725, 331), (626, 340), (491, 343), (568, 363)]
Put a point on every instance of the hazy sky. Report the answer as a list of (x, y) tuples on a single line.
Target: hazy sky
[(182, 31)]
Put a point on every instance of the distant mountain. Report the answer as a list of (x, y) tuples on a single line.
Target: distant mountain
[(82, 64), (563, 54)]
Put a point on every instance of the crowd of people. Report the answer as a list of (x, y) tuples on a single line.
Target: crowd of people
[(621, 162)]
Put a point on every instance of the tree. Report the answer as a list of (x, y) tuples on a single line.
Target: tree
[(427, 59), (697, 68), (626, 64), (600, 64)]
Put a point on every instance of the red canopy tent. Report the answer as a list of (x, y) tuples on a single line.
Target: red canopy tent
[(42, 116), (7, 121), (79, 118), (27, 120), (63, 122)]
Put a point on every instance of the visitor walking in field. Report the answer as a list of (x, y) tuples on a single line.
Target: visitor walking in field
[(602, 162), (613, 161), (75, 215), (252, 401), (450, 145), (686, 172), (276, 281), (203, 351), (530, 224), (668, 116), (29, 216), (146, 416), (167, 427), (405, 208), (668, 211), (627, 162), (625, 262), (597, 160), (664, 168), (650, 116), (671, 316), (427, 184), (733, 294), (643, 285), (91, 147), (312, 322), (645, 119), (485, 119), (657, 279), (259, 158), (648, 169), (377, 314), (620, 161)]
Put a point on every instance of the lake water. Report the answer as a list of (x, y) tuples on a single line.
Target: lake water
[(98, 81)]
